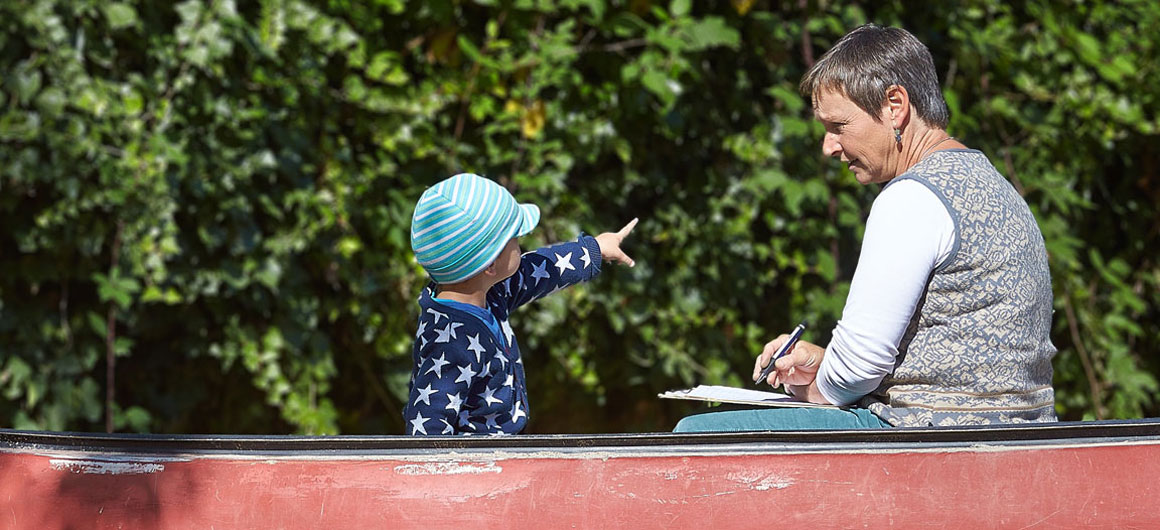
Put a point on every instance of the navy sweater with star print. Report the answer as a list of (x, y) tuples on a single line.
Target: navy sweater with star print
[(468, 377)]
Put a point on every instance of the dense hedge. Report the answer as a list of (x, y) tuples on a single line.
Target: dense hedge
[(216, 195)]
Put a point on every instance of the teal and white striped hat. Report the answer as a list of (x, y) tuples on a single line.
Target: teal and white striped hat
[(462, 223)]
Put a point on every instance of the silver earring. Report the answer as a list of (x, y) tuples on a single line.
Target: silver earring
[(898, 136)]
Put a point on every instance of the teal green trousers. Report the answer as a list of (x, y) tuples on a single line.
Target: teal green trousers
[(781, 419)]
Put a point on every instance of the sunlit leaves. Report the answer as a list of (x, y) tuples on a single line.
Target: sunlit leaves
[(200, 35), (262, 159), (120, 15)]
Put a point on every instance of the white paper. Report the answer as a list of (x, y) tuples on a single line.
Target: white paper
[(744, 396)]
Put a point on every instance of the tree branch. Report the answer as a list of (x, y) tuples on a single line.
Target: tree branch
[(461, 120), (527, 96), (111, 336), (807, 40), (1088, 368)]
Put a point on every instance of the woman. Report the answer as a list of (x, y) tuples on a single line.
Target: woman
[(949, 313)]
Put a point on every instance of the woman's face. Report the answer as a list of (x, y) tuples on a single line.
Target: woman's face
[(852, 136)]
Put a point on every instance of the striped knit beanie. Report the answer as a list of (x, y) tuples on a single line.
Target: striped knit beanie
[(462, 223)]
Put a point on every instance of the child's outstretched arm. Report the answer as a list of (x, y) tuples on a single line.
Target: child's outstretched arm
[(549, 269)]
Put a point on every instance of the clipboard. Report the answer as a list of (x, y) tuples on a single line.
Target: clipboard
[(740, 396)]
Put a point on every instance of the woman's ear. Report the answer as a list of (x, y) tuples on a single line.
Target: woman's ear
[(898, 106)]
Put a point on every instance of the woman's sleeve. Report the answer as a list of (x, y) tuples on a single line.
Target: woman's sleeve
[(909, 233)]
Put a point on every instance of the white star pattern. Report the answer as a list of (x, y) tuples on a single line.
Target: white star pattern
[(564, 263), (475, 346), (507, 331), (465, 375), (464, 421), (447, 334), (488, 395), (517, 412), (437, 365), (438, 315), (454, 402), (540, 271), (424, 395), (417, 424), (496, 369)]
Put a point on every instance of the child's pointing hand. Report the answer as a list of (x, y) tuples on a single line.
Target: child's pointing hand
[(610, 244)]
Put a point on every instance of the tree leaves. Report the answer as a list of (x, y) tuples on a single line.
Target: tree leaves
[(120, 15), (251, 169)]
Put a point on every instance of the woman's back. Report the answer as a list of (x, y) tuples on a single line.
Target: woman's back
[(978, 349)]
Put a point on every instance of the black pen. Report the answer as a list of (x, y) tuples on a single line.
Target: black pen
[(793, 338)]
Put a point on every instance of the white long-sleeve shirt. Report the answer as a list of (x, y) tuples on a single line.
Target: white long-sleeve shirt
[(908, 234)]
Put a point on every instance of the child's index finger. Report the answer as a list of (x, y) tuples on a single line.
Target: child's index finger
[(628, 227)]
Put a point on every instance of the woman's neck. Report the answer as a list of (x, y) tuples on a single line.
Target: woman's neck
[(923, 144)]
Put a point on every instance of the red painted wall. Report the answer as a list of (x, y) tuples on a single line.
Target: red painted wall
[(1104, 486)]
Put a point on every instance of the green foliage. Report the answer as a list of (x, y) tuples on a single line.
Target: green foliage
[(217, 195)]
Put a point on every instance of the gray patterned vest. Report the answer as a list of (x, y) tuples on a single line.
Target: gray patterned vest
[(978, 349)]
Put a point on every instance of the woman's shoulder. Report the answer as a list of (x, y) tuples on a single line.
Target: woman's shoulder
[(909, 198), (952, 162)]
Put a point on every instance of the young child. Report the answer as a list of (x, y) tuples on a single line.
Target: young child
[(468, 377)]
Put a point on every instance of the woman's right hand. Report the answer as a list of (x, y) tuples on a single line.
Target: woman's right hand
[(798, 367)]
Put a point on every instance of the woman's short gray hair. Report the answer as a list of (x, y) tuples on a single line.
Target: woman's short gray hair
[(868, 60)]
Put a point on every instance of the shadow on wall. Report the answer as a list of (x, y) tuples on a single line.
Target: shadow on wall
[(80, 490)]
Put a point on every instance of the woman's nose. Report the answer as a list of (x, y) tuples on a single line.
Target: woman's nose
[(830, 145)]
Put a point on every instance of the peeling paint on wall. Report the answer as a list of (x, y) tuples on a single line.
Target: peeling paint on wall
[(761, 481), (447, 468), (99, 467)]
